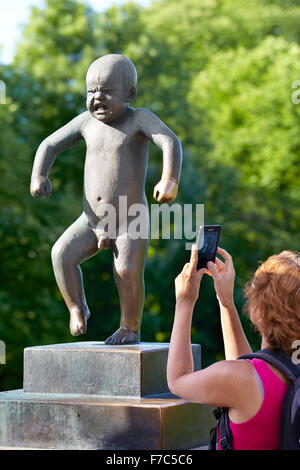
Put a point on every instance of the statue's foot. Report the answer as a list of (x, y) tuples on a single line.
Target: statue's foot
[(78, 320), (124, 336)]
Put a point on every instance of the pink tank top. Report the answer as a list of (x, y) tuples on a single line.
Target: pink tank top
[(262, 431)]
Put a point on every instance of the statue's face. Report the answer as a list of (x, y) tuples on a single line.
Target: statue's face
[(106, 97)]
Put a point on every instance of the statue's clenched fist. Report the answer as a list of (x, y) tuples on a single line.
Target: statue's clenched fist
[(40, 186), (165, 190)]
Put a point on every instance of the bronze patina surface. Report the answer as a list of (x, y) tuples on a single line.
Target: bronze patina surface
[(117, 138)]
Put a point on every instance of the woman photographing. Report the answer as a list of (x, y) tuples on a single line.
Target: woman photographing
[(252, 389)]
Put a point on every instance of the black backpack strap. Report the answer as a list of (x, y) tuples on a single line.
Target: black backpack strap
[(222, 429), (278, 359), (212, 444)]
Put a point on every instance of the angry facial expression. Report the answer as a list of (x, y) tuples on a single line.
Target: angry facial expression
[(106, 97)]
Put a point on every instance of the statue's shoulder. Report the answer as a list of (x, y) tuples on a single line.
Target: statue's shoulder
[(140, 112), (81, 120), (144, 117), (84, 117)]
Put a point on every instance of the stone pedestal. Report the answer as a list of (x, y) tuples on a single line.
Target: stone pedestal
[(89, 395)]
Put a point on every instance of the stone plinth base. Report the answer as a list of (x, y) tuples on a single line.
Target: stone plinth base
[(94, 368), (56, 421), (89, 395)]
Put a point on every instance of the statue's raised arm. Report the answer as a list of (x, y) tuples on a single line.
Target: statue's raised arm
[(158, 133), (60, 140)]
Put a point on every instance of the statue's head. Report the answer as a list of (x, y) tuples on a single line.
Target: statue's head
[(111, 86)]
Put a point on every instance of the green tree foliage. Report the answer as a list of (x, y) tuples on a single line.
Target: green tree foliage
[(181, 37), (250, 124), (244, 101), (219, 73)]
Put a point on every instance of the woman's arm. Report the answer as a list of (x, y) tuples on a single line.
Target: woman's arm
[(215, 385), (187, 284), (235, 340), (180, 358)]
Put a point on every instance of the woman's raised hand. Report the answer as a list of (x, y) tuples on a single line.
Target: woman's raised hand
[(223, 274), (187, 283)]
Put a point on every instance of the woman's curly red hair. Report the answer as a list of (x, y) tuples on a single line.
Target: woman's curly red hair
[(273, 300)]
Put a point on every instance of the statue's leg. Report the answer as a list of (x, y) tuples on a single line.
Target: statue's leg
[(129, 263), (75, 245)]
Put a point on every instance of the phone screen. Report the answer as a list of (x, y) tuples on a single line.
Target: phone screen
[(207, 240)]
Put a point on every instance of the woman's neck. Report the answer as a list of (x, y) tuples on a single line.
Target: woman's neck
[(264, 343)]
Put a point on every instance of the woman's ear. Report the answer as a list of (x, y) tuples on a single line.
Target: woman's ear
[(131, 94)]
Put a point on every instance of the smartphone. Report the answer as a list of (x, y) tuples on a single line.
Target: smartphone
[(207, 241)]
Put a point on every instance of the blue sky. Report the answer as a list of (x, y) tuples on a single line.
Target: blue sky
[(16, 12)]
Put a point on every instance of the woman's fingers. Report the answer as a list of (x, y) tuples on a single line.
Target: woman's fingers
[(194, 258), (200, 273), (227, 257), (186, 267), (206, 271), (213, 269), (224, 253), (219, 263), (220, 267)]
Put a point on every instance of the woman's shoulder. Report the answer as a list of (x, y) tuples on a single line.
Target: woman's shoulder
[(244, 378), (225, 383), (260, 364), (231, 369), (250, 391), (248, 369), (238, 380)]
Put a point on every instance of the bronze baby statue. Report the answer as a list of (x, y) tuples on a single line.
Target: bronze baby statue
[(117, 139)]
